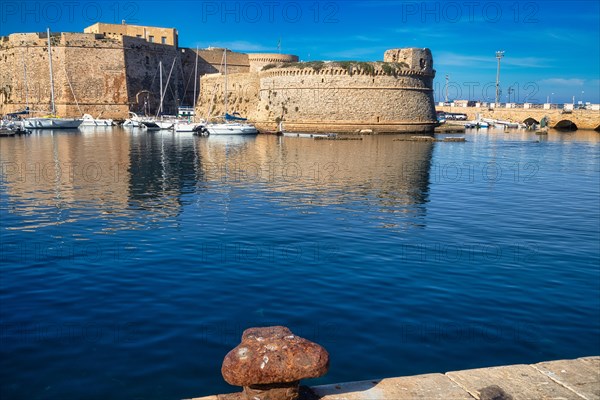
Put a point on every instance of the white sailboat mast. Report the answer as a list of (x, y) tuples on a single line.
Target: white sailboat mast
[(195, 81), (160, 73)]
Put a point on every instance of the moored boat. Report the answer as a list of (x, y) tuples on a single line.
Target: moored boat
[(231, 128), (51, 121), (88, 120), (233, 124)]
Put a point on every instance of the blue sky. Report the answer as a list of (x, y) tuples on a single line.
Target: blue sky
[(552, 48)]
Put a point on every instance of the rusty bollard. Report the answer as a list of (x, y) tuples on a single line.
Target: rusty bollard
[(270, 362)]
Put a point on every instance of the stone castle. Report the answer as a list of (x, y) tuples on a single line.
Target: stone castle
[(112, 69)]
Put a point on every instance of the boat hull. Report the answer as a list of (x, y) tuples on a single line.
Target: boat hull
[(164, 124), (97, 122), (188, 127), (151, 125), (231, 129), (51, 123)]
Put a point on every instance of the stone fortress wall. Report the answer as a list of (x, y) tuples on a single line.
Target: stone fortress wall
[(393, 96), (101, 75), (259, 60), (109, 75), (151, 34), (87, 69)]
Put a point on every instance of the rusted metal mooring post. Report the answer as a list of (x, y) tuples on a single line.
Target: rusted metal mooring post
[(270, 362)]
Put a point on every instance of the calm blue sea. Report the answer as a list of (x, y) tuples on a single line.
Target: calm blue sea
[(131, 262)]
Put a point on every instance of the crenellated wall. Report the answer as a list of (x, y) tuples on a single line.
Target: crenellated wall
[(106, 76), (348, 97), (259, 60)]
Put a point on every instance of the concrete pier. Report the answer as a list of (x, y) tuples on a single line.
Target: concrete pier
[(564, 379)]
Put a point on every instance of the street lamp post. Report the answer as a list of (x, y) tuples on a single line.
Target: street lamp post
[(499, 55)]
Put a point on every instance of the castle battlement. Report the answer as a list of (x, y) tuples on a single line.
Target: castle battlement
[(111, 69), (372, 69), (259, 60), (58, 39), (337, 96)]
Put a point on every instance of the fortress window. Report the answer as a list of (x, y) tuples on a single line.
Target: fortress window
[(151, 39), (163, 40), (138, 36)]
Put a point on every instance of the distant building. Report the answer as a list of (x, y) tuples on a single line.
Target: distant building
[(464, 103), (168, 36)]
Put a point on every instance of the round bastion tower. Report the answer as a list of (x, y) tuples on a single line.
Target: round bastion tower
[(258, 60), (278, 93), (392, 96)]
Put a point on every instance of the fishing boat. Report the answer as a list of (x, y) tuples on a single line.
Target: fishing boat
[(233, 124), (51, 121)]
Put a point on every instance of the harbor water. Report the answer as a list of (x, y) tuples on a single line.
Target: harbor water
[(132, 261)]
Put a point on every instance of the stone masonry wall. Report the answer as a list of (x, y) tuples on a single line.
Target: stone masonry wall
[(109, 77), (259, 60), (333, 99), (142, 61), (242, 95), (100, 89), (101, 76), (210, 61), (330, 99)]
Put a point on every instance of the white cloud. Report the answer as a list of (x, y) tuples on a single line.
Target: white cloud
[(356, 53), (563, 81), (477, 61), (461, 60), (240, 45)]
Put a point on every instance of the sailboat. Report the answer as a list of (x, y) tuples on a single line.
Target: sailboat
[(191, 126), (230, 126), (162, 123), (51, 121)]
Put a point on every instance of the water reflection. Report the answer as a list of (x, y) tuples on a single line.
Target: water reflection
[(56, 177), (128, 179)]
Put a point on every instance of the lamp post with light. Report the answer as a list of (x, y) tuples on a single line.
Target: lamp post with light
[(499, 55)]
